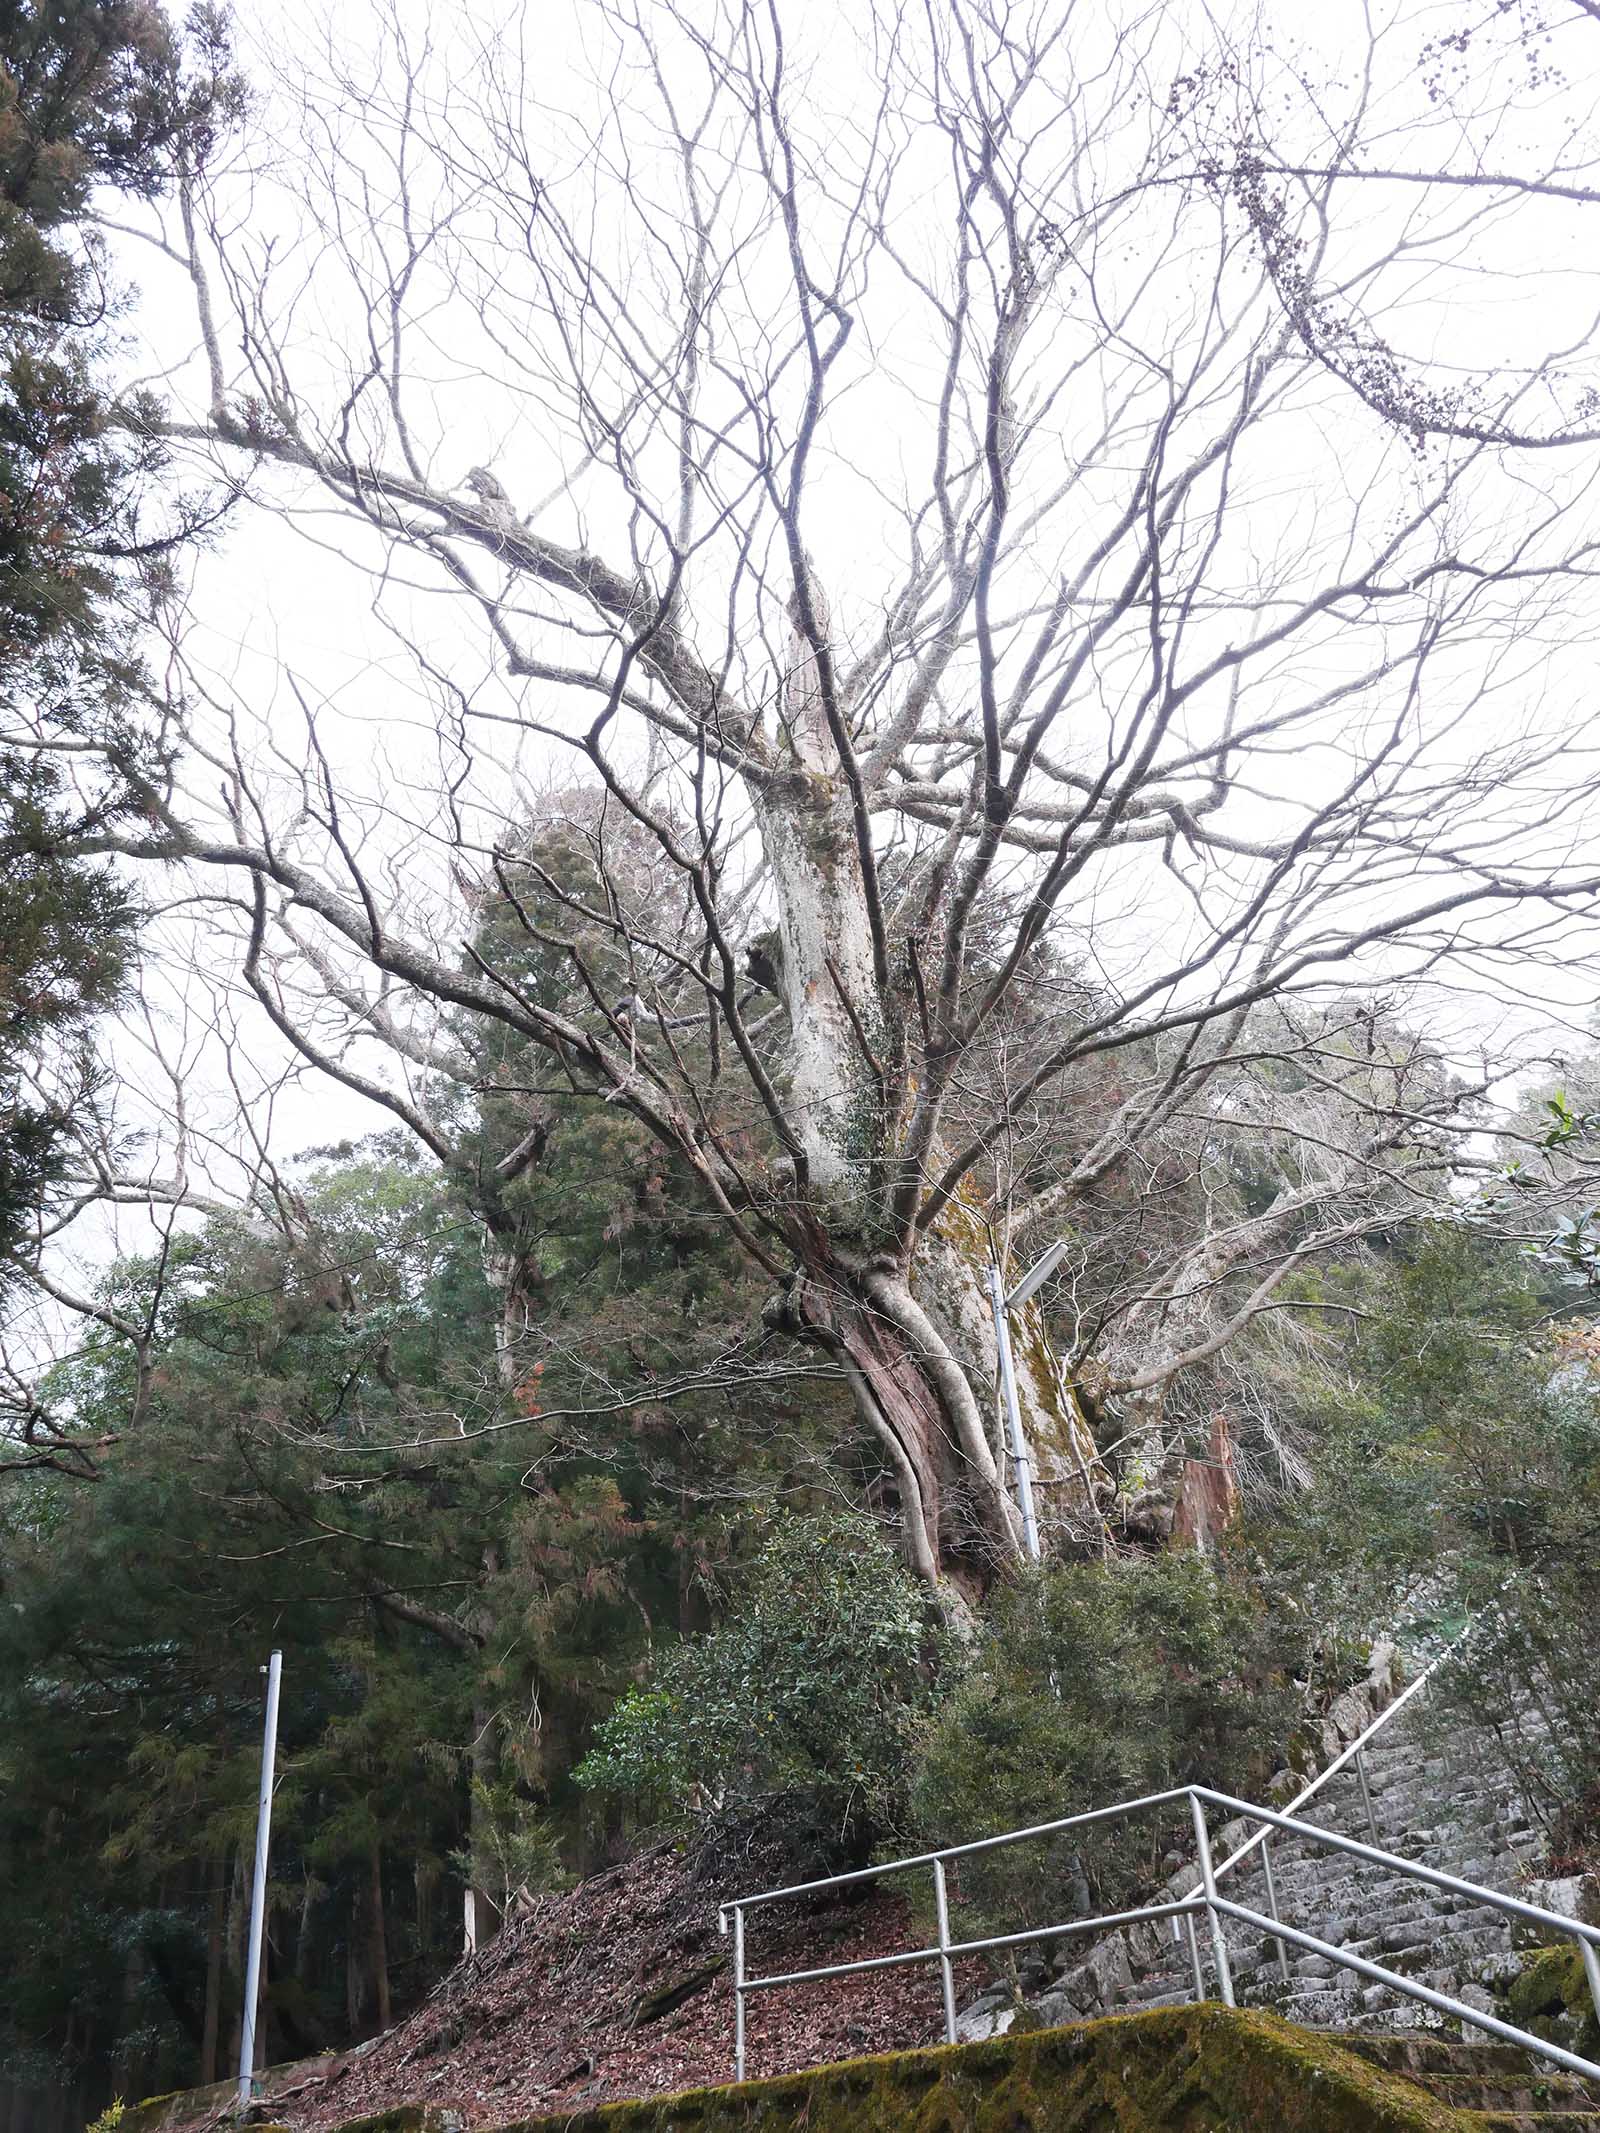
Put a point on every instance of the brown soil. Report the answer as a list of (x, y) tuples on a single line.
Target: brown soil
[(564, 2008)]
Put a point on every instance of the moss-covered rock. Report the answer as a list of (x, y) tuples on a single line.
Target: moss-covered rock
[(152, 2114), (1180, 2070), (1550, 1997), (1206, 2069), (176, 2110)]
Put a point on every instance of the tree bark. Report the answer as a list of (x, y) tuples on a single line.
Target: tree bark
[(378, 1940), (914, 1349), (481, 1914), (908, 1314), (840, 1045), (215, 1937)]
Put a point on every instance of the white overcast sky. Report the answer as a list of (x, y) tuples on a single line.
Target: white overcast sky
[(270, 600)]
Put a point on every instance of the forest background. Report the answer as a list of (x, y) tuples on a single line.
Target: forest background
[(665, 685)]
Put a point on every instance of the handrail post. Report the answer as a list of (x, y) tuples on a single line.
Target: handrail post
[(1194, 1957), (1272, 1904), (1591, 1970), (738, 1992), (738, 1984), (1208, 1882), (1366, 1794), (258, 1888), (947, 1973)]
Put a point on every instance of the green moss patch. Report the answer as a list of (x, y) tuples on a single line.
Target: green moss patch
[(1549, 1996), (1179, 2070), (154, 2113), (178, 2109)]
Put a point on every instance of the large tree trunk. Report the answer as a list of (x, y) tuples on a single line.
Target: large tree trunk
[(1170, 1494), (840, 1041), (1170, 1332), (910, 1321), (1150, 1465), (921, 1358), (511, 1269), (378, 1940), (216, 1925)]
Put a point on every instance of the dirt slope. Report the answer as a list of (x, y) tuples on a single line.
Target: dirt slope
[(621, 1988)]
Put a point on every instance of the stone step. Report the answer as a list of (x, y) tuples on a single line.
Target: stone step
[(1449, 1803), (1504, 2076), (1338, 1885), (1433, 2052), (1175, 1992)]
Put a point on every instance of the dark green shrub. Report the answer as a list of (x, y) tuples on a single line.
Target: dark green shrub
[(1096, 1683), (797, 1715)]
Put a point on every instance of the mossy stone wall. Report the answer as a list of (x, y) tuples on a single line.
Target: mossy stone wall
[(1201, 2069), (1204, 2069)]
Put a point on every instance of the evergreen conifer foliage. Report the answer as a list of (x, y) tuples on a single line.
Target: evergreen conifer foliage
[(94, 95), (464, 1567)]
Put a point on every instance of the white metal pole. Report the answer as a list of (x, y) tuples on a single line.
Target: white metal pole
[(1219, 1942), (258, 1890), (738, 1993), (1008, 1388), (941, 1905)]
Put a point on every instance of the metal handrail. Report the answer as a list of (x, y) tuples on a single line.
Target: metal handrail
[(1586, 1936), (1205, 1901), (1413, 1869), (960, 1851), (944, 1951)]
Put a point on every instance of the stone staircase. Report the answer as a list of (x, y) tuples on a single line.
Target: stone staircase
[(1495, 2088), (1445, 1796), (1448, 1802)]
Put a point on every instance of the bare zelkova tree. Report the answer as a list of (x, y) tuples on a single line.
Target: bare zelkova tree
[(1039, 714)]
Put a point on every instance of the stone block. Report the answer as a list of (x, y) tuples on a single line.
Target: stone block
[(986, 2018), (1081, 1991), (1109, 1966), (1350, 1715), (1478, 1996), (1568, 1896), (1055, 2010)]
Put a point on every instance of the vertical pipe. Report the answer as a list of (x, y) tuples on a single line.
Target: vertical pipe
[(738, 1993), (1008, 1389), (1272, 1906), (258, 1888), (1208, 1881), (1591, 1970), (1194, 1957), (942, 1908), (1366, 1794)]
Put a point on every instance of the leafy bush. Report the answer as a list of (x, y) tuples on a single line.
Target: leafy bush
[(1095, 1683), (797, 1716)]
